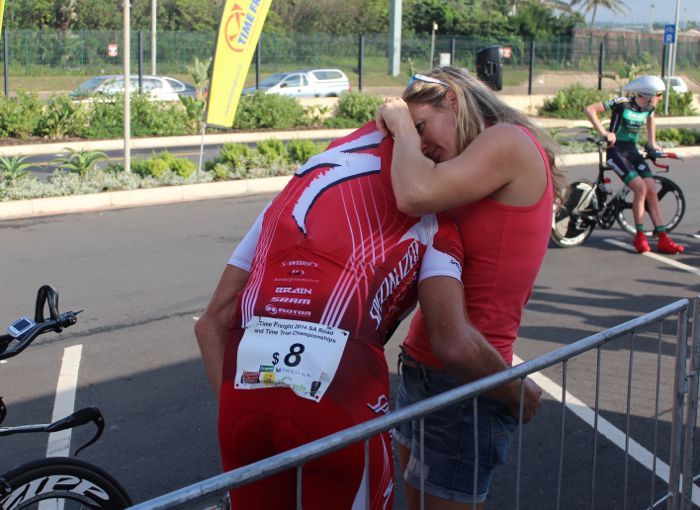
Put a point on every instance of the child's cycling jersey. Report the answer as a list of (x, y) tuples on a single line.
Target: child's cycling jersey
[(627, 118)]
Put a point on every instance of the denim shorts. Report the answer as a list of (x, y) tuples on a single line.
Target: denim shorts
[(449, 450)]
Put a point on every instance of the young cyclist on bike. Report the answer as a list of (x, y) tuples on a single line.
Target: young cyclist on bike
[(628, 114)]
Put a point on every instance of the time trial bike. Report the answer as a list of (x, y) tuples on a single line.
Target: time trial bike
[(54, 482), (586, 204)]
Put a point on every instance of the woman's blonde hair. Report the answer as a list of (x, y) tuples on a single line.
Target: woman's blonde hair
[(477, 109)]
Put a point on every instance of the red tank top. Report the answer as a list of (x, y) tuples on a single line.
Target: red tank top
[(503, 251)]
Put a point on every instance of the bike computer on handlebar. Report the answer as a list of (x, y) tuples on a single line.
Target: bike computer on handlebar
[(20, 326)]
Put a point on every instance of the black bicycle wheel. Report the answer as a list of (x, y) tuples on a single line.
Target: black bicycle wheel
[(671, 200), (60, 482), (575, 219)]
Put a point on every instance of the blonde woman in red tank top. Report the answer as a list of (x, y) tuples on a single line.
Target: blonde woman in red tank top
[(459, 148)]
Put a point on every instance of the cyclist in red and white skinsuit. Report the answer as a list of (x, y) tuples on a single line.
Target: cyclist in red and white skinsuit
[(327, 272)]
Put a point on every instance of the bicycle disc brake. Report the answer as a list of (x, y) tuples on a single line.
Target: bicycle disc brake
[(3, 410)]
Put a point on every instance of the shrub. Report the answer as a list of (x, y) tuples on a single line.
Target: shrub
[(271, 151), (679, 105), (161, 165), (183, 167), (679, 136), (235, 154), (194, 109), (19, 116), (157, 118), (341, 123), (298, 151), (62, 117), (260, 110), (569, 103), (358, 106), (106, 119)]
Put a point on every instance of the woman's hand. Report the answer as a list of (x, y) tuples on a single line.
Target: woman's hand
[(391, 114)]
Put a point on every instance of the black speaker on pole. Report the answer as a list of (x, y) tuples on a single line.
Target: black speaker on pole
[(489, 66)]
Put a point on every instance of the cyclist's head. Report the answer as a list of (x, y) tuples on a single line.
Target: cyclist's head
[(647, 87)]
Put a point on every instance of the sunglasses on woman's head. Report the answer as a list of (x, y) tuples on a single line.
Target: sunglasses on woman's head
[(426, 79)]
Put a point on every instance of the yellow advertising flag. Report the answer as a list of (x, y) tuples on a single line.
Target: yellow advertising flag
[(239, 31), (2, 9)]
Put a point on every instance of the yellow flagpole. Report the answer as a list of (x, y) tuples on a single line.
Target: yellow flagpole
[(239, 30)]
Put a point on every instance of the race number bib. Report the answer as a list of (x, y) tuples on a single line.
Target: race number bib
[(303, 356)]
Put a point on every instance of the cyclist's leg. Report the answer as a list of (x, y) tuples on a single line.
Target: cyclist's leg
[(623, 165), (640, 196), (665, 244)]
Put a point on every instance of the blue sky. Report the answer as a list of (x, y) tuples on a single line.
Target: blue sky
[(640, 11)]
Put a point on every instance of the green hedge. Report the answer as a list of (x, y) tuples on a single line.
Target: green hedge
[(25, 116)]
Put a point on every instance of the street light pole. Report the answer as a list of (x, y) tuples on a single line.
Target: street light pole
[(675, 43), (154, 10), (651, 18), (127, 85)]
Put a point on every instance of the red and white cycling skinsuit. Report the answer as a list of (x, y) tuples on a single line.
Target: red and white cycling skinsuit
[(333, 268)]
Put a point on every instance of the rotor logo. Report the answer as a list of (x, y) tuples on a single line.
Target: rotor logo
[(234, 27)]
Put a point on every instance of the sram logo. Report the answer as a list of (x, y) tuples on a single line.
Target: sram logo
[(79, 489)]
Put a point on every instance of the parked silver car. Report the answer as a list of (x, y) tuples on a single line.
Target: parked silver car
[(159, 88), (305, 83)]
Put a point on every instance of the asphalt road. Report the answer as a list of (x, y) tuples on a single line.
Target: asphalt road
[(144, 274)]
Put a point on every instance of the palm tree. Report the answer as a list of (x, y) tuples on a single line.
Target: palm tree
[(617, 6)]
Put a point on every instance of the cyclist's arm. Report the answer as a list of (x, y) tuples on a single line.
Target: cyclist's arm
[(651, 132), (462, 349), (213, 326), (592, 111)]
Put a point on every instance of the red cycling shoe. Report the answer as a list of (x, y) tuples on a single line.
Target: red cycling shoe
[(666, 245), (640, 243)]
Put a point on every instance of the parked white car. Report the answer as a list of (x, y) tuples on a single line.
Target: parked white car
[(676, 83), (305, 83), (159, 88)]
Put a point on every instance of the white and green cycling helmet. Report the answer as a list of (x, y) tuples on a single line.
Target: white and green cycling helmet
[(646, 85)]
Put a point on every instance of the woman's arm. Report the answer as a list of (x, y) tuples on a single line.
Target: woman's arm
[(462, 350), (502, 162)]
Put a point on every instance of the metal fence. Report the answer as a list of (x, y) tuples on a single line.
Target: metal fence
[(648, 358), (86, 52)]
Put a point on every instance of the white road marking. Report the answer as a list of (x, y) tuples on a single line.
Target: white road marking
[(656, 256), (59, 442), (607, 429)]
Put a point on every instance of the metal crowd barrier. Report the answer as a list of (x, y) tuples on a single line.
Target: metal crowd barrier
[(680, 487)]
